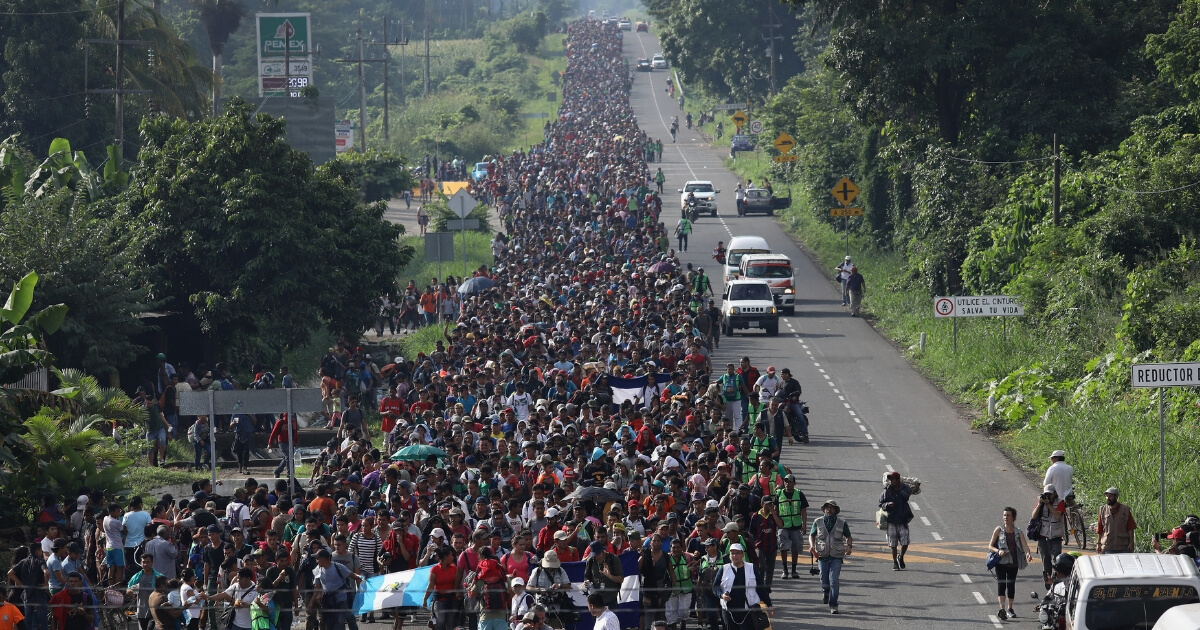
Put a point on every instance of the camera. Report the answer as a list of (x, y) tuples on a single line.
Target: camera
[(814, 571)]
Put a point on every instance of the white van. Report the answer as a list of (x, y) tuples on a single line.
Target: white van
[(1186, 617), (776, 269), (740, 246), (1128, 590)]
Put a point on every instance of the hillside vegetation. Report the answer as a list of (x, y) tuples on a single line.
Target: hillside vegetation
[(945, 116)]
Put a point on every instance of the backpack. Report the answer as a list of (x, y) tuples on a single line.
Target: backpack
[(493, 594), (729, 388)]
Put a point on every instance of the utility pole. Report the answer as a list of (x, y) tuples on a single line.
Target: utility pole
[(402, 41), (771, 26), (119, 70), (1057, 177), (425, 87), (362, 89)]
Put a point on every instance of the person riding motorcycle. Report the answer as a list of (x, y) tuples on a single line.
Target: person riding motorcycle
[(688, 119), (790, 390), (1053, 609), (690, 206)]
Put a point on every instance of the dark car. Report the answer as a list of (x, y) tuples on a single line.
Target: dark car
[(643, 27), (643, 65), (740, 142)]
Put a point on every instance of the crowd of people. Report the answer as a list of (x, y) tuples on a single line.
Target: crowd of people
[(541, 453)]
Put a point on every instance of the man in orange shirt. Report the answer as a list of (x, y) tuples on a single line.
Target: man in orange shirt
[(429, 305), (390, 409), (324, 504), (10, 615)]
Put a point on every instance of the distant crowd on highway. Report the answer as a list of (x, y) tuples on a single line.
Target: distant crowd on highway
[(571, 413)]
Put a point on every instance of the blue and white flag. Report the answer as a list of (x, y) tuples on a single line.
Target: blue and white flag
[(641, 390), (392, 590), (629, 604)]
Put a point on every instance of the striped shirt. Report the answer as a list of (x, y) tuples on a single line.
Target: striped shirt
[(366, 549)]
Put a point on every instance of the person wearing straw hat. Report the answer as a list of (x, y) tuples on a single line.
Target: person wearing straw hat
[(830, 542)]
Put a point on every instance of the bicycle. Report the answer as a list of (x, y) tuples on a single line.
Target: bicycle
[(1076, 528)]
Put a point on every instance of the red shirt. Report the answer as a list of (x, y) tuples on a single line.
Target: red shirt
[(567, 553), (389, 408), (279, 431), (442, 578), (327, 507)]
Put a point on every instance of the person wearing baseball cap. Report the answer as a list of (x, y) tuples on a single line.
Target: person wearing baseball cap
[(894, 502), (1115, 525), (1062, 476), (831, 543), (738, 589), (793, 511)]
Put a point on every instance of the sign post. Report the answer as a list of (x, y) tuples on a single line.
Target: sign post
[(1162, 376), (284, 53), (250, 401), (976, 306), (462, 203), (845, 191)]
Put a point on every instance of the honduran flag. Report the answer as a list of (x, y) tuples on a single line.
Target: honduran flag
[(641, 390), (392, 590), (629, 600)]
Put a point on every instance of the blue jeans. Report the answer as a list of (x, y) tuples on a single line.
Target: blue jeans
[(37, 616), (798, 411), (201, 450), (831, 572), (283, 463)]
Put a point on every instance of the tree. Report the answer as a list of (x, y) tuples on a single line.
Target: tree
[(52, 223), (379, 175), (259, 246)]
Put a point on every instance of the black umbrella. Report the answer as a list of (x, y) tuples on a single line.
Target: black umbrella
[(596, 494)]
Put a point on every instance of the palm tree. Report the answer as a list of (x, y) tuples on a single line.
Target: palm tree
[(166, 66), (221, 18), (96, 404)]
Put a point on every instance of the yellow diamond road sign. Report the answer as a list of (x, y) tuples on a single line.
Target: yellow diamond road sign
[(784, 142), (739, 118), (845, 191)]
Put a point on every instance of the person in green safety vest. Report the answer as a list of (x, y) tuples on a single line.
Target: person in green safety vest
[(793, 511), (767, 480), (680, 603), (746, 461), (659, 180), (762, 444), (682, 230), (708, 570), (733, 536), (701, 283), (264, 613)]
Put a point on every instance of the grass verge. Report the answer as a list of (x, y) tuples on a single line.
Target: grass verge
[(1109, 445)]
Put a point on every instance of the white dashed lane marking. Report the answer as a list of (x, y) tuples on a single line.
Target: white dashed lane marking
[(936, 536), (925, 519), (966, 578), (979, 597)]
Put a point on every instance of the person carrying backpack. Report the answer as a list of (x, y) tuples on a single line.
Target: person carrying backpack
[(491, 584), (732, 388)]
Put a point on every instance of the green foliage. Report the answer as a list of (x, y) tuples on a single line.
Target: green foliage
[(379, 175), (1024, 396), (524, 31), (259, 246)]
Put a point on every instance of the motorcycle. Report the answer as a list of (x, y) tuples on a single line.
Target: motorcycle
[(691, 212), (689, 121), (1052, 611)]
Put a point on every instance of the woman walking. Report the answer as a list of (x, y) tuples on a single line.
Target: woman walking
[(1009, 543)]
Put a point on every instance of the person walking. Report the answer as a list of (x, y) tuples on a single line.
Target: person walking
[(422, 219), (682, 230), (1050, 512), (793, 511), (1061, 475), (842, 274), (739, 591), (1009, 543), (830, 542), (895, 501), (856, 286), (1115, 525), (659, 180)]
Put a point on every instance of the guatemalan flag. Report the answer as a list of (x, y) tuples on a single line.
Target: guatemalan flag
[(407, 588), (640, 390)]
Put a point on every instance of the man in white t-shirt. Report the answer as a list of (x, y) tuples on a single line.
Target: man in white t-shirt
[(605, 618), (767, 384), (520, 401), (1061, 476), (843, 274)]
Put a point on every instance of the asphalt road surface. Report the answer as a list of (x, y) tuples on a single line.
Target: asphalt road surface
[(871, 413)]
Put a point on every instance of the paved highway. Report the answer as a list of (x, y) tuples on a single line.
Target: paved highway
[(871, 413)]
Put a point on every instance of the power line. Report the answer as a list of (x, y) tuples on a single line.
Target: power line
[(41, 13), (48, 98), (1138, 192), (973, 161)]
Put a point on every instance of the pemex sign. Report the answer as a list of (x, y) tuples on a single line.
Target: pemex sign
[(277, 32)]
